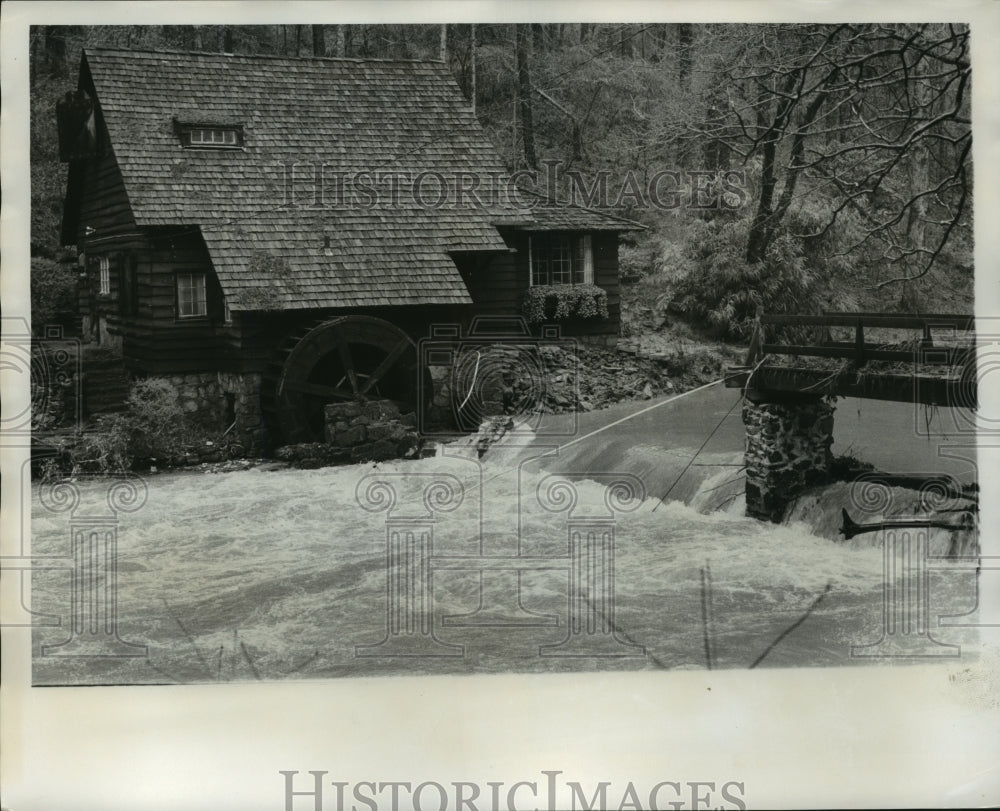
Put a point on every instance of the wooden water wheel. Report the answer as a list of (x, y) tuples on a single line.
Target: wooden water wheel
[(351, 357)]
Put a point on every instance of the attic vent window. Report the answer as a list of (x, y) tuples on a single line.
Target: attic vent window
[(213, 137), (210, 136)]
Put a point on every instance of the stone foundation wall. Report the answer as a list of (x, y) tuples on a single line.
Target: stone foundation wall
[(242, 391), (221, 399), (199, 394), (787, 450), (370, 432)]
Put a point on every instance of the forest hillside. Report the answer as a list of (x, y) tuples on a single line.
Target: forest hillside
[(777, 167)]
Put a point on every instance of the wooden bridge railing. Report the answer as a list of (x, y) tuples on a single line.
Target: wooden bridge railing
[(861, 351), (958, 350)]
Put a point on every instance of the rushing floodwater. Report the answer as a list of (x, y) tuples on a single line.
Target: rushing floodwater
[(276, 574)]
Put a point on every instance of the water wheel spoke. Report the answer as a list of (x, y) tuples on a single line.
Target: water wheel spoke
[(346, 359), (338, 359), (387, 363)]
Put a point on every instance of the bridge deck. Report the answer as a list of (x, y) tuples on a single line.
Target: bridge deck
[(933, 369), (904, 388)]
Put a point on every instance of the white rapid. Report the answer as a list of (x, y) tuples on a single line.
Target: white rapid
[(275, 574)]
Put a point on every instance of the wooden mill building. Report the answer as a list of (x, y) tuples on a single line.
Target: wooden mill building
[(273, 233)]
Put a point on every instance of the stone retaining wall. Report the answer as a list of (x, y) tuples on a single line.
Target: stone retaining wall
[(244, 391), (224, 398), (371, 432), (199, 393), (787, 450)]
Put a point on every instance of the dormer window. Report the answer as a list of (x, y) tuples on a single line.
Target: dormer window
[(213, 137), (210, 136)]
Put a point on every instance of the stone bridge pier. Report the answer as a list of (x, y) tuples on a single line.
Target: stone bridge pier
[(788, 439)]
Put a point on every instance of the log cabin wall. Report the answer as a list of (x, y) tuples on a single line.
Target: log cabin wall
[(159, 338), (102, 207), (139, 313), (99, 222)]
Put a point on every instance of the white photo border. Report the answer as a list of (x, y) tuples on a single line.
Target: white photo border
[(922, 736)]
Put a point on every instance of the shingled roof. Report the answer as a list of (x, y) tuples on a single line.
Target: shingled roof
[(282, 251)]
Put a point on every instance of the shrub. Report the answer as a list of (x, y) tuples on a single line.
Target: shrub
[(53, 386), (106, 449), (53, 294), (158, 426), (715, 284), (636, 261), (561, 301), (153, 426)]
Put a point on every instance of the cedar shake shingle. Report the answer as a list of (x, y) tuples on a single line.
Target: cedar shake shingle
[(345, 115)]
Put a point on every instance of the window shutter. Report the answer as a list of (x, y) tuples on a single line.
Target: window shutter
[(531, 264), (577, 247), (586, 247)]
